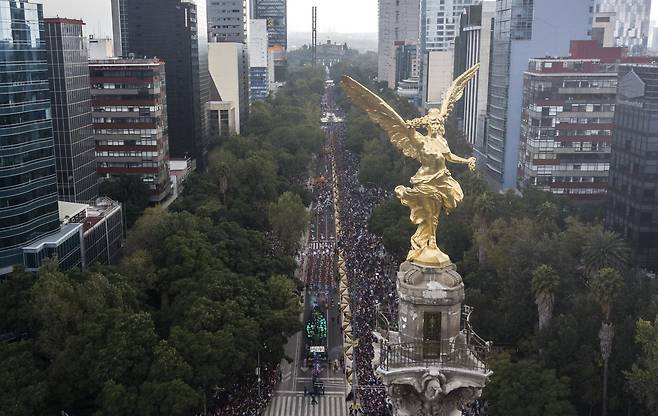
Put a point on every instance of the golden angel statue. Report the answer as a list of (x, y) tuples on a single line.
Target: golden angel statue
[(432, 187)]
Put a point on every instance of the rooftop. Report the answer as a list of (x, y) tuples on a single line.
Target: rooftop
[(64, 20), (55, 239)]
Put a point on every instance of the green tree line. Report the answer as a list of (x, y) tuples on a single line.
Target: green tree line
[(200, 292)]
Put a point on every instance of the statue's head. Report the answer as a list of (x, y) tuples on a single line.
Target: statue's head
[(435, 122)]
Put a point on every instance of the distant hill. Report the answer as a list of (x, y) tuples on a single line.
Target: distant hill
[(359, 41)]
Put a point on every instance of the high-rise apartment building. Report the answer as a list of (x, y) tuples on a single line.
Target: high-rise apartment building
[(439, 25), (632, 25), (28, 180), (522, 30), (129, 98), (633, 184), (70, 101), (399, 20), (227, 21), (276, 14), (473, 46), (261, 62), (567, 120), (176, 32)]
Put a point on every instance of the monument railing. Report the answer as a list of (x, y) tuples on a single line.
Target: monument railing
[(440, 354)]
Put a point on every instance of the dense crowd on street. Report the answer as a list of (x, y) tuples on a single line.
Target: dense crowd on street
[(244, 399), (371, 287)]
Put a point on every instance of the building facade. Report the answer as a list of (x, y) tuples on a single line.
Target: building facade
[(229, 72), (567, 121), (632, 24), (399, 20), (633, 189), (129, 98), (28, 180), (227, 21), (439, 25), (176, 32), (260, 60), (522, 30), (473, 46), (102, 229), (276, 14), (70, 101)]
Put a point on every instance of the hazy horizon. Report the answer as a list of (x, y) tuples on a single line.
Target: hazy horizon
[(362, 18)]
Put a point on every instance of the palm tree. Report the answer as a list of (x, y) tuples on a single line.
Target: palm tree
[(545, 281), (604, 249), (605, 286), (484, 208)]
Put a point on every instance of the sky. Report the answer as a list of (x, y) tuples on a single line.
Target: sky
[(342, 16)]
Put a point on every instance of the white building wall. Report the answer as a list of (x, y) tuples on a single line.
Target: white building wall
[(100, 48), (439, 75), (223, 64), (258, 43)]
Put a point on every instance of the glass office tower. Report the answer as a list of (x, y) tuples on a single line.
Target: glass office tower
[(70, 99), (28, 190), (175, 31)]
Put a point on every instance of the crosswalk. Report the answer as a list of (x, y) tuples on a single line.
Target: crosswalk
[(298, 405)]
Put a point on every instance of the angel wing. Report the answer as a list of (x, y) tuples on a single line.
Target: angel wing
[(456, 90), (384, 116)]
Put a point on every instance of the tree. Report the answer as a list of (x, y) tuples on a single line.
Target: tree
[(643, 376), (604, 248), (289, 219), (131, 191), (605, 286), (526, 388), (545, 282), (484, 209)]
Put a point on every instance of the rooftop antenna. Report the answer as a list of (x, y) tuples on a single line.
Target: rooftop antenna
[(314, 46)]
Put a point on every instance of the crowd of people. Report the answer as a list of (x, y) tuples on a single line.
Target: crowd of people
[(319, 256), (248, 397), (371, 285)]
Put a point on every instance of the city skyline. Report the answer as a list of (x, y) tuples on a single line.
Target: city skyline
[(331, 15)]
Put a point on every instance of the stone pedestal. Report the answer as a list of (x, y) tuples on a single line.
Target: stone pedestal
[(430, 367)]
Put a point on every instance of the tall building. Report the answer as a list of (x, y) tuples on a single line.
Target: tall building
[(439, 24), (129, 98), (473, 46), (176, 32), (522, 30), (70, 100), (567, 120), (28, 180), (632, 26), (229, 72), (260, 60), (633, 188), (227, 21), (399, 20), (276, 14)]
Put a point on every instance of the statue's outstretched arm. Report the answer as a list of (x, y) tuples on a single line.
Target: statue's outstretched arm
[(453, 158)]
